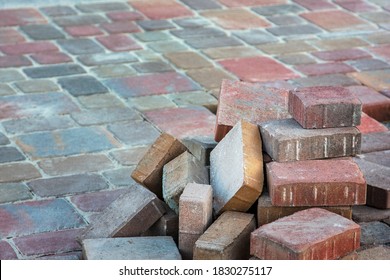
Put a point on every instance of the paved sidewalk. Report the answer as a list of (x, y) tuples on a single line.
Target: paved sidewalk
[(85, 88)]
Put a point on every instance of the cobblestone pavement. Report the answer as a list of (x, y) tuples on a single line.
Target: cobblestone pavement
[(85, 88)]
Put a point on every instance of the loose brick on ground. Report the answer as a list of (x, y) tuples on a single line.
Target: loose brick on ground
[(131, 248), (237, 189), (373, 142), (227, 238), (200, 147), (286, 140), (374, 233), (312, 234), (363, 214), (11, 192), (149, 170), (53, 71)]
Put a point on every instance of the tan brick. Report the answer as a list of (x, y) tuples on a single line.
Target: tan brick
[(150, 168), (227, 238), (236, 171)]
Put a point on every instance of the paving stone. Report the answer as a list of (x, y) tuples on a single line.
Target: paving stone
[(23, 16), (28, 48), (152, 67), (6, 90), (193, 22), (124, 15), (293, 30), (83, 30), (37, 86), (61, 142), (375, 253), (107, 58), (10, 36), (324, 107), (285, 140), (151, 84), (131, 248), (149, 171), (257, 69), (339, 43), (3, 139), (34, 124), (120, 177), (287, 47), (183, 122), (130, 156), (16, 172), (82, 85), (238, 189), (268, 213), (154, 25), (202, 4), (122, 218), (310, 185), (167, 47), (63, 256), (243, 3), (42, 32), (356, 6), (152, 36), (378, 80), (314, 230), (96, 201), (58, 11), (195, 215), (255, 37), (368, 64), (14, 61), (209, 78), (227, 238), (113, 71), (146, 103), (374, 233), (104, 100), (296, 59), (286, 20), (75, 164), (340, 55), (80, 46), (190, 33), (381, 51), (78, 20), (324, 68), (213, 42), (231, 52), (195, 99), (120, 27), (10, 154), (102, 7), (381, 157), (251, 102), (53, 71), (188, 60), (6, 251), (315, 5), (377, 16), (157, 9), (51, 58), (363, 214), (373, 142), (13, 192), (200, 147), (58, 213), (105, 115), (177, 174), (135, 133), (378, 38), (326, 80), (148, 55), (370, 125), (119, 43)]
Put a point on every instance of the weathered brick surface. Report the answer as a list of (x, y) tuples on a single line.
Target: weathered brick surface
[(339, 55), (332, 182), (378, 79), (53, 71), (154, 25), (14, 61), (324, 107), (124, 15), (312, 234), (131, 248), (107, 58), (227, 238), (129, 215), (374, 233), (10, 36), (237, 189), (79, 20), (102, 7), (58, 11), (178, 173), (363, 213), (380, 157), (120, 177), (286, 140), (149, 170), (16, 172), (268, 213), (80, 46), (375, 142), (188, 60), (11, 192), (324, 68)]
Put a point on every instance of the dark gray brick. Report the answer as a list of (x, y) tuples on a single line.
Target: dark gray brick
[(80, 46), (10, 76), (3, 139), (152, 67), (120, 177), (77, 20), (53, 71), (291, 30), (37, 86), (14, 192), (82, 85), (107, 58), (374, 233), (73, 184), (136, 133), (154, 25), (17, 172), (278, 10), (9, 154), (213, 42), (153, 36), (105, 115), (202, 4), (102, 7), (42, 32), (58, 11), (198, 33), (255, 37)]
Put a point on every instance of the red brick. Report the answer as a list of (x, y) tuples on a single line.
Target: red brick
[(235, 19), (7, 252), (15, 17), (373, 142), (119, 43), (315, 4), (254, 103), (257, 69), (286, 140), (149, 170), (334, 20), (375, 253), (340, 55), (227, 238), (125, 16), (120, 27), (195, 215), (332, 182), (243, 3), (313, 234), (375, 105), (237, 169), (10, 36), (382, 50), (27, 48), (183, 122), (363, 214), (268, 213), (14, 61), (51, 58), (324, 107), (324, 68), (83, 30), (370, 125), (356, 6), (160, 9)]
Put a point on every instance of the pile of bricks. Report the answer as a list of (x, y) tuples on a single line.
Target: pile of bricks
[(279, 184)]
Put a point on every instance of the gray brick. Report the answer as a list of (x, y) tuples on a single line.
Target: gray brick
[(255, 37), (152, 36), (53, 71), (152, 67), (120, 177), (212, 42), (37, 86), (16, 172), (194, 22), (202, 4), (102, 7), (58, 11), (10, 76), (76, 20), (374, 233), (373, 142), (6, 90), (28, 125), (82, 85), (293, 30), (286, 19), (278, 9), (14, 192), (3, 139), (9, 154), (135, 133), (326, 80), (105, 115), (154, 25), (198, 33), (100, 101), (42, 32), (107, 58), (80, 46)]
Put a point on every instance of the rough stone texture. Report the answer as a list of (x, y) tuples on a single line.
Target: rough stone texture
[(251, 102), (312, 234), (363, 214), (237, 169), (268, 213), (324, 107), (331, 182), (286, 140), (131, 248), (178, 173), (129, 215), (200, 147), (373, 142), (227, 238), (149, 171), (380, 157), (374, 233), (375, 253), (370, 125)]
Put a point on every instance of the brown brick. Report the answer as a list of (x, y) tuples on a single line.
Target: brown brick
[(227, 238), (237, 169), (268, 213), (312, 234), (324, 107), (178, 173), (150, 168), (332, 182), (286, 140), (129, 215)]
